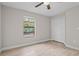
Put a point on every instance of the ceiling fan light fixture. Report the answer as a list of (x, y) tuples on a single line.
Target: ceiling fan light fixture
[(46, 3)]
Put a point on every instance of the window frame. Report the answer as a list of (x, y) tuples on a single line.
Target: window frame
[(29, 36)]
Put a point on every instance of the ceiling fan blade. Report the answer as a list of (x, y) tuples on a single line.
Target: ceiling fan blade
[(48, 6), (39, 4)]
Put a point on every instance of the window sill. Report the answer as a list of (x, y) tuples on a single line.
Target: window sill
[(29, 36)]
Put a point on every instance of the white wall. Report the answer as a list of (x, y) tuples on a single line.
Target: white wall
[(65, 28), (72, 28), (58, 28), (0, 27), (13, 28)]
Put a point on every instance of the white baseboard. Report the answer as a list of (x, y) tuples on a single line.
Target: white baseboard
[(73, 47), (7, 48), (67, 45), (58, 41)]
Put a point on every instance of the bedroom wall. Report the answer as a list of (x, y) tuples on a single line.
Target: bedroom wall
[(72, 28), (58, 28), (65, 28), (13, 28), (0, 26)]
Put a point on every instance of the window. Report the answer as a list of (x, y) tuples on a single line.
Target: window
[(29, 26)]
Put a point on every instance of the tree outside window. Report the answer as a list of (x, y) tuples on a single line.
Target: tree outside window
[(29, 26)]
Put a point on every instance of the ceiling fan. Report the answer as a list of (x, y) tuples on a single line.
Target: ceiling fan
[(45, 3)]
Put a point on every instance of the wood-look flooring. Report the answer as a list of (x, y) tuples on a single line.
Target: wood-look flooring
[(52, 48)]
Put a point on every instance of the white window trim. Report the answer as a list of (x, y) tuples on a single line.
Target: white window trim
[(29, 36)]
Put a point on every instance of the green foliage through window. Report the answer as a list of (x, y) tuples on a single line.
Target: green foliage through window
[(29, 25)]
